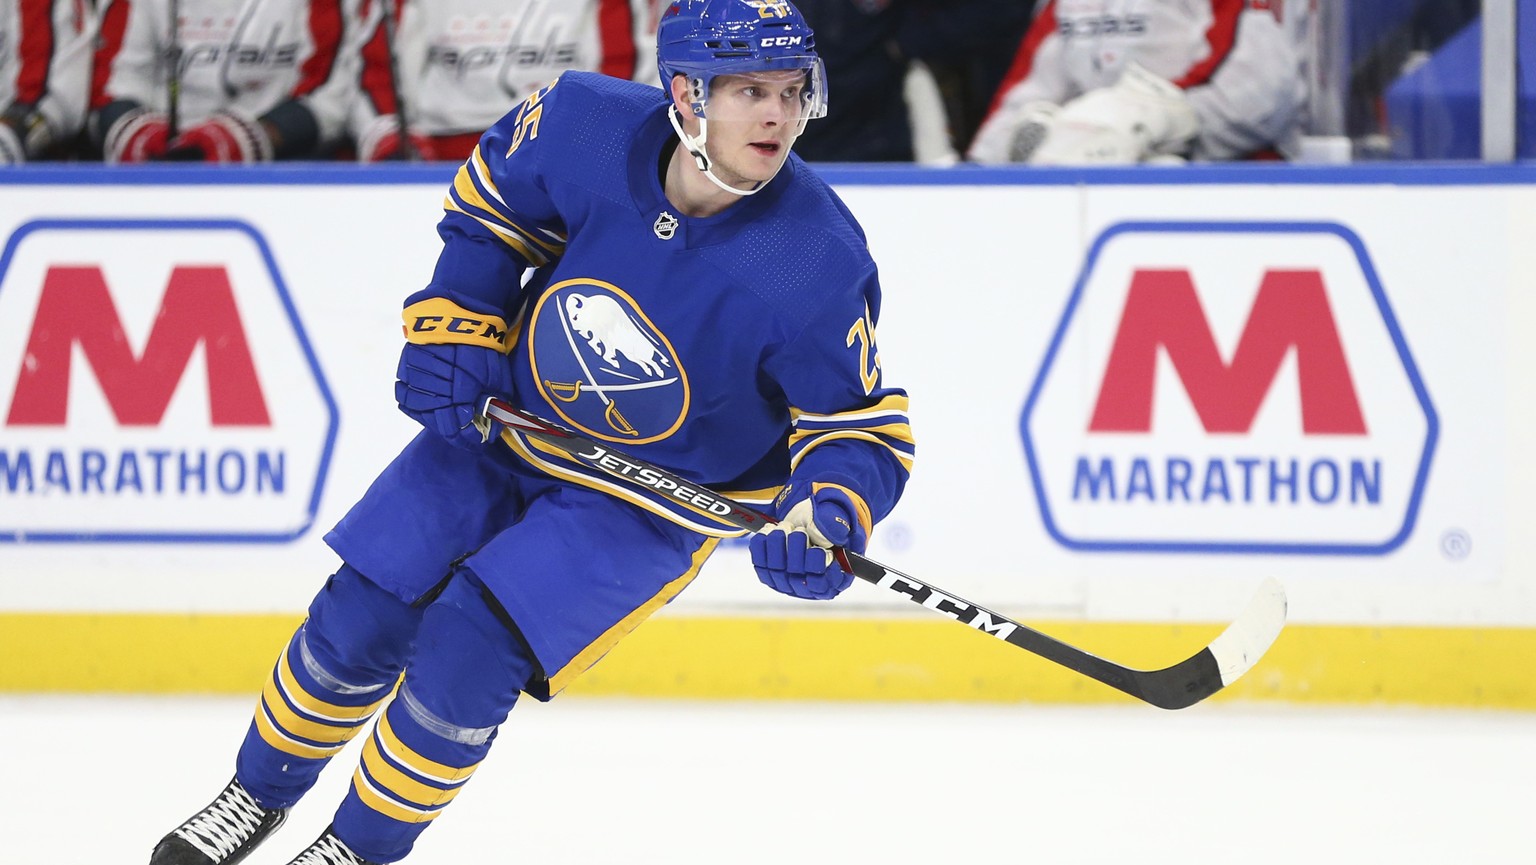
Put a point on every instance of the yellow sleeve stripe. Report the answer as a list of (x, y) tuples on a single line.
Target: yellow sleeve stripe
[(895, 403), (468, 193), (371, 797), (812, 444), (484, 175), (401, 753), (402, 785), (898, 431), (537, 259), (555, 242)]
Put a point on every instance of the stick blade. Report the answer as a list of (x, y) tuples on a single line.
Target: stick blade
[(1219, 664), (1251, 634)]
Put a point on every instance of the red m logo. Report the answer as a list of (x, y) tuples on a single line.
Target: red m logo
[(198, 309), (1291, 310)]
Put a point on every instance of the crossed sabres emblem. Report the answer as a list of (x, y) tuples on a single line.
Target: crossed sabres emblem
[(611, 333)]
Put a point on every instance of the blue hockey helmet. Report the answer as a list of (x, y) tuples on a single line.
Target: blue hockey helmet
[(701, 39)]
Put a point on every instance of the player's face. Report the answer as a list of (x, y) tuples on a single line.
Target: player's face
[(753, 121)]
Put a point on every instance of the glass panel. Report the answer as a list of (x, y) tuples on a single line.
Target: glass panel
[(1525, 69), (1414, 78)]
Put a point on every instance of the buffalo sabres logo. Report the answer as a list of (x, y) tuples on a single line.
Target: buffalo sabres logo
[(665, 226), (603, 366)]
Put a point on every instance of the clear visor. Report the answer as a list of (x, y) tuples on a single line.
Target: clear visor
[(748, 121), (792, 88)]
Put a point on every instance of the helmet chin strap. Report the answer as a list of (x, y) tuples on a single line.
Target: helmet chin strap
[(696, 148)]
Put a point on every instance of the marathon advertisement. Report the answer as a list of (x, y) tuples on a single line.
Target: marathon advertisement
[(158, 386), (1130, 402), (1248, 389)]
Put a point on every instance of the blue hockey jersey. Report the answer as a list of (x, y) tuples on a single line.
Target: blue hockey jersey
[(736, 350)]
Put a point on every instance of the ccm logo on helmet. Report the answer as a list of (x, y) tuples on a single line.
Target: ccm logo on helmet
[(779, 41)]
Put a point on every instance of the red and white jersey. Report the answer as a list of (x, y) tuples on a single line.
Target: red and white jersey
[(463, 64), (241, 56), (45, 61), (1241, 63)]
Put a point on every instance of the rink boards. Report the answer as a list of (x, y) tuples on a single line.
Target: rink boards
[(1135, 395)]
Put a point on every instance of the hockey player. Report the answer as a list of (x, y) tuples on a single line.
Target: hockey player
[(694, 295), (1101, 82), (226, 81), (462, 64), (45, 59)]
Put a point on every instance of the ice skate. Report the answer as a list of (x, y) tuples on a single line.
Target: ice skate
[(328, 850), (224, 832)]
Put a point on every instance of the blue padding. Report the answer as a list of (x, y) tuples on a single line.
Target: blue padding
[(1434, 111), (1372, 21)]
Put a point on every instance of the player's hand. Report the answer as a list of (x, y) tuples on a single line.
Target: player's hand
[(12, 152), (381, 142), (1139, 117), (223, 137), (1012, 133), (139, 136), (443, 386), (794, 556)]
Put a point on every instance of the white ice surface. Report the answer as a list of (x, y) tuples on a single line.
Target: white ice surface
[(98, 780)]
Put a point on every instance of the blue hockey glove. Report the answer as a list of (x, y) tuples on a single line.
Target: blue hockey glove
[(794, 556), (453, 361), (442, 386)]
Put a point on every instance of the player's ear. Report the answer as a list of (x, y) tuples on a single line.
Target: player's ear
[(680, 95)]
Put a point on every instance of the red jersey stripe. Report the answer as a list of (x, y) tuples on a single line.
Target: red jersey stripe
[(325, 28), (37, 45), (616, 38), (1044, 25), (109, 42), (379, 67), (1220, 37)]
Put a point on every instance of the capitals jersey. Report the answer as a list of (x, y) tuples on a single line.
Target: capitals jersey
[(463, 64), (243, 56), (736, 350), (45, 59), (1241, 64)]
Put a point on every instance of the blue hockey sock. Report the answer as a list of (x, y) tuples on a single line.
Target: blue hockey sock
[(462, 681), (335, 671)]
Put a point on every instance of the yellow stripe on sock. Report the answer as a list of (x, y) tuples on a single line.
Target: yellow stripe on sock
[(403, 785), (277, 739), (385, 805), (293, 724), (318, 707), (402, 753)]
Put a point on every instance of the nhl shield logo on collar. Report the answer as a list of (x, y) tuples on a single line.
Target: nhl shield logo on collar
[(665, 226)]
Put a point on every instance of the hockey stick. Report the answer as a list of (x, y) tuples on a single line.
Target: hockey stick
[(173, 78), (391, 41), (1184, 684)]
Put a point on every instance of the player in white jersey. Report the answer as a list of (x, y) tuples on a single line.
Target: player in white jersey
[(463, 64), (45, 60), (231, 81), (1124, 81)]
